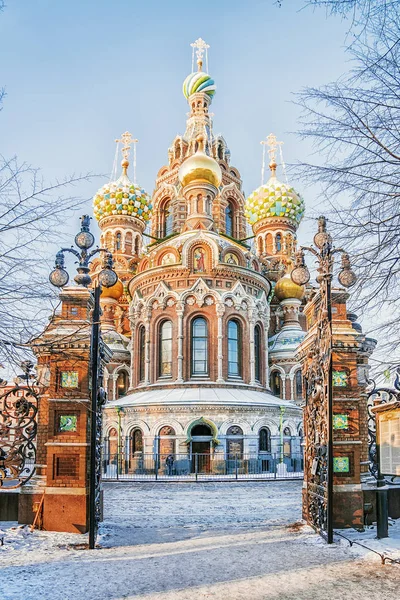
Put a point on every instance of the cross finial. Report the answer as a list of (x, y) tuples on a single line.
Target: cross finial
[(273, 145), (199, 46), (127, 140)]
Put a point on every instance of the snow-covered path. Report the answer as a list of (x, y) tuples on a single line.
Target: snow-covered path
[(231, 541)]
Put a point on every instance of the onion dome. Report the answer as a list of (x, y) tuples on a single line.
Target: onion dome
[(274, 199), (122, 197), (198, 82), (115, 291), (286, 288), (200, 167)]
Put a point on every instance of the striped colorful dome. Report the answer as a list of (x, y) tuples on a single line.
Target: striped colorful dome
[(122, 197), (274, 199), (199, 82)]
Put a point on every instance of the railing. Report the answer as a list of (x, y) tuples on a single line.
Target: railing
[(196, 467)]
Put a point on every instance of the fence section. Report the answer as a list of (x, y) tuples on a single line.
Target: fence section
[(142, 467)]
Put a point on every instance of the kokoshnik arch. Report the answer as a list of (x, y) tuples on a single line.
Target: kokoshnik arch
[(204, 322)]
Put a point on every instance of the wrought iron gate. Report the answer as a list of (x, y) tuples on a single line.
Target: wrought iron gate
[(18, 428)]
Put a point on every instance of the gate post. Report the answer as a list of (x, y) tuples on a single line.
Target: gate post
[(236, 466), (196, 465), (156, 466)]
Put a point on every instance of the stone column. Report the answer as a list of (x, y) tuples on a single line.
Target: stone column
[(220, 308), (147, 347), (266, 359), (179, 311), (252, 321)]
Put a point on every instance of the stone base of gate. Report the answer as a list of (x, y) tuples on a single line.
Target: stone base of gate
[(348, 509), (66, 510)]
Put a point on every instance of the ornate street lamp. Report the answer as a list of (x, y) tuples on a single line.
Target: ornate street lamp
[(318, 380), (106, 278)]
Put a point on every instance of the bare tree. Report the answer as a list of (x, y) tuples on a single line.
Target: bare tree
[(31, 217), (354, 125)]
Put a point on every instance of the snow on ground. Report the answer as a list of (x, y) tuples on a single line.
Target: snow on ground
[(187, 541)]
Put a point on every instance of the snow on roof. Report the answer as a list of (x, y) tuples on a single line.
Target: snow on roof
[(202, 395)]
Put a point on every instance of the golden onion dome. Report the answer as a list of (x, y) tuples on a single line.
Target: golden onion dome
[(286, 288), (200, 167), (114, 291)]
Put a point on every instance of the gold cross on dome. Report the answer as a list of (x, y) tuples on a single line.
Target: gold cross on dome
[(127, 141)]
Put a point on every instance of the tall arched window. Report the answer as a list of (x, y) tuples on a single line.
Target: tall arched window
[(287, 442), (298, 385), (278, 242), (229, 220), (257, 352), (167, 219), (199, 362), (276, 384), (165, 350), (264, 440), (234, 349), (122, 384), (118, 241), (136, 441), (142, 352)]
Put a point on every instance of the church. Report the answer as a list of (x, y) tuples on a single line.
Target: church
[(205, 320)]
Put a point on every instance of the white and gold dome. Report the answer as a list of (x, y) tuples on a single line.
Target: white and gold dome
[(274, 200), (123, 197)]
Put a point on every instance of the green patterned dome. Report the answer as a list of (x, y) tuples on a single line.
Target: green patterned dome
[(274, 199), (122, 197), (198, 82)]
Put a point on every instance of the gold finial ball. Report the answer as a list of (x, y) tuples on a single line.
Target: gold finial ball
[(286, 288), (200, 167), (114, 291)]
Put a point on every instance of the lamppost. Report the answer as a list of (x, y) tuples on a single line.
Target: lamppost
[(120, 412), (106, 278), (317, 376)]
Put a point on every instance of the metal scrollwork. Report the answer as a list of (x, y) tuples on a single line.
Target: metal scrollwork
[(18, 428), (317, 374), (379, 395), (317, 417)]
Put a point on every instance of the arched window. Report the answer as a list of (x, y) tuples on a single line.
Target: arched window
[(257, 352), (118, 241), (122, 384), (264, 440), (137, 245), (234, 349), (229, 219), (298, 385), (278, 242), (220, 151), (165, 350), (276, 384), (128, 243), (112, 442), (287, 443), (142, 352), (199, 362), (167, 219), (166, 443), (136, 441), (234, 444)]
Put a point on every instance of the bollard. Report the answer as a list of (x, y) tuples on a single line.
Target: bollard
[(382, 526)]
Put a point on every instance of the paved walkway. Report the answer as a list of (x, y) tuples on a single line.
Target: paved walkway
[(225, 541)]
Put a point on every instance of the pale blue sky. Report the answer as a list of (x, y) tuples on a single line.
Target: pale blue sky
[(79, 73)]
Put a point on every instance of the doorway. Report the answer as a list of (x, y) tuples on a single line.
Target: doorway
[(200, 448)]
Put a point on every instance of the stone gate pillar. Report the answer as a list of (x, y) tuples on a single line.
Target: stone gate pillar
[(350, 352), (63, 354)]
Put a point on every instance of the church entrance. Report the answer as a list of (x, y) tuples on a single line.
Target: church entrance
[(200, 448)]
